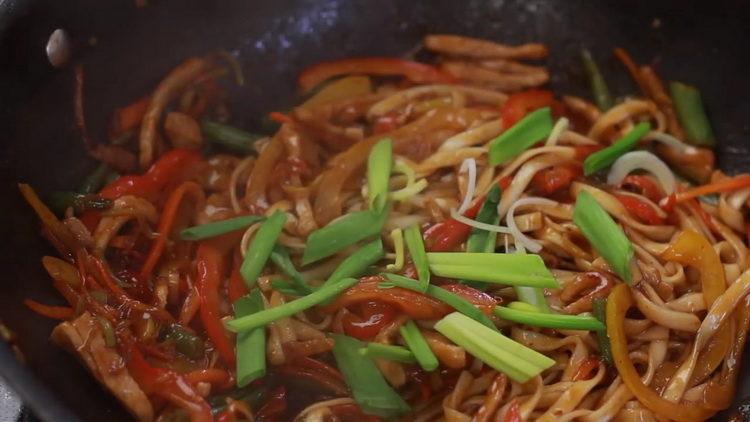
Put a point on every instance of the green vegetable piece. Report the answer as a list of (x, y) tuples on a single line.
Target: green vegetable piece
[(250, 345), (415, 245), (260, 248), (229, 137), (343, 232), (186, 342), (540, 319), (599, 90), (280, 257), (108, 332), (533, 296), (95, 181), (510, 269), (62, 200), (356, 264), (217, 228), (370, 390), (418, 345), (379, 164), (264, 317), (517, 361), (388, 352), (604, 234), (689, 107), (536, 126), (478, 238), (605, 157), (600, 309)]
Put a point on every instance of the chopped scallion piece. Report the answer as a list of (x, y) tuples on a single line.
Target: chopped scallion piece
[(398, 248), (415, 245), (534, 296), (418, 345), (453, 300), (229, 137), (599, 306), (517, 361), (287, 288), (479, 239), (60, 201), (599, 90), (531, 129), (96, 180), (280, 257), (539, 319), (523, 306), (379, 164), (343, 232), (605, 157), (511, 269), (260, 248), (689, 107), (604, 234), (217, 228), (251, 345), (262, 318), (356, 264), (388, 352), (370, 390)]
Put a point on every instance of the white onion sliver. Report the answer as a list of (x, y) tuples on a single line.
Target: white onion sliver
[(520, 238), (469, 165), (481, 226), (557, 130), (643, 160), (738, 198), (670, 141)]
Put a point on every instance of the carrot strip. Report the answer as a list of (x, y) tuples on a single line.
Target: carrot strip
[(215, 376), (726, 185), (54, 312), (129, 117), (630, 66)]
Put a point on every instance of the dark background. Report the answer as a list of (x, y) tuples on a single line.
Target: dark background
[(701, 43)]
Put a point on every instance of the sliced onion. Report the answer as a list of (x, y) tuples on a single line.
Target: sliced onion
[(469, 165), (670, 141), (557, 130), (738, 198), (481, 226), (520, 238), (643, 160)]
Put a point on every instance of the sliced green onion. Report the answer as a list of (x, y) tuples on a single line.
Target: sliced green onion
[(510, 269), (262, 318), (280, 257), (533, 296), (523, 306), (418, 345), (689, 106), (217, 228), (600, 309), (539, 319), (605, 157), (526, 132), (605, 236), (415, 245), (251, 345), (95, 181), (479, 240), (379, 164), (260, 248), (108, 332), (342, 232), (358, 262), (229, 137), (62, 200), (517, 361), (398, 247), (602, 97), (453, 300), (370, 390), (409, 190), (388, 352), (185, 342), (287, 288)]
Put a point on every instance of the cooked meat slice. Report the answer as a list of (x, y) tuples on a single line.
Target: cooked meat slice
[(84, 338)]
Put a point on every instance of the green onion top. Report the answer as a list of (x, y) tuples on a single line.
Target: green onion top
[(356, 264), (605, 157), (414, 243), (260, 248), (251, 345), (540, 319), (599, 307), (599, 89), (511, 269), (388, 352), (342, 232), (536, 126), (217, 228), (418, 345), (481, 240), (230, 137), (370, 390), (689, 107), (379, 164), (280, 257), (605, 236)]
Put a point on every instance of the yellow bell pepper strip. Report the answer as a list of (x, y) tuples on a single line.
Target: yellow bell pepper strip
[(690, 248), (618, 303)]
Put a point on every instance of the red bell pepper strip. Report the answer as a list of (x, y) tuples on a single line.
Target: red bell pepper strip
[(384, 66), (165, 383), (210, 270), (551, 180), (375, 315), (54, 312), (522, 103), (586, 368), (644, 212), (642, 185)]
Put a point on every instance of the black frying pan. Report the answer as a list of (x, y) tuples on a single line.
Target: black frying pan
[(703, 43)]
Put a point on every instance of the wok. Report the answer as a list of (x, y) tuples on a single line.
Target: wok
[(126, 50)]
